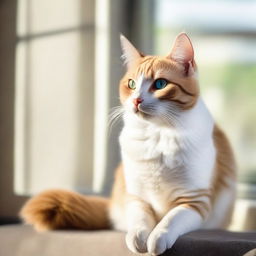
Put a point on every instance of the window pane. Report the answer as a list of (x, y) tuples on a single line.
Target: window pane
[(44, 16), (224, 42), (54, 104)]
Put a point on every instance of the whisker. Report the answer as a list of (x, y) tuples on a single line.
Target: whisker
[(170, 116), (115, 115)]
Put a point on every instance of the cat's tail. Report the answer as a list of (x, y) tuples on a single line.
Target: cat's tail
[(60, 209)]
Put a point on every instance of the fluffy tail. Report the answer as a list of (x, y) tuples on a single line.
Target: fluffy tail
[(60, 209)]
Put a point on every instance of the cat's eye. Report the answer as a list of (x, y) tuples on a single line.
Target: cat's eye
[(160, 83), (131, 84)]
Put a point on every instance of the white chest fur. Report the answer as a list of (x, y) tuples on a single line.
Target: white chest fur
[(161, 160)]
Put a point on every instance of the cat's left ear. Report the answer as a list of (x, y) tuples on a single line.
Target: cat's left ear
[(183, 52), (130, 53)]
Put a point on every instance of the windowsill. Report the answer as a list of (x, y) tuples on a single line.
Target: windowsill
[(245, 208), (246, 191)]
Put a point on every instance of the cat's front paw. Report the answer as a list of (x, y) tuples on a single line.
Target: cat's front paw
[(159, 241), (136, 240)]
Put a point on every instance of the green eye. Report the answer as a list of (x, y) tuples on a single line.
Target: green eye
[(160, 84), (132, 84)]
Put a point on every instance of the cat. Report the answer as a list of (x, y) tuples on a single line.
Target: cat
[(178, 171)]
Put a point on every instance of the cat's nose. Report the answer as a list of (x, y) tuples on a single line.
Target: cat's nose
[(137, 101)]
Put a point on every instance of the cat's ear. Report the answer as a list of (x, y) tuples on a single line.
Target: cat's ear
[(183, 52), (130, 53)]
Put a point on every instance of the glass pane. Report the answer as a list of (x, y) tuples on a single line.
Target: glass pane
[(54, 101), (51, 115), (45, 16), (224, 42)]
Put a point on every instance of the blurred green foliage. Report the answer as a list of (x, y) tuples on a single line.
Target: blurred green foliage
[(234, 79)]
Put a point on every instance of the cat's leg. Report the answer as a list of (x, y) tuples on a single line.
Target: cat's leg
[(141, 221), (178, 221)]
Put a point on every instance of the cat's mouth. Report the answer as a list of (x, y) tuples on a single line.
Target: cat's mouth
[(142, 112)]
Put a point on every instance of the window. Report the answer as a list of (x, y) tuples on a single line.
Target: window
[(224, 48), (67, 75), (224, 42)]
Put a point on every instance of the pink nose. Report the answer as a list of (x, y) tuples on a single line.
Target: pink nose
[(137, 101)]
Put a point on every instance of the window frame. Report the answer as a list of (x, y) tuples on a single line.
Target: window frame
[(10, 203)]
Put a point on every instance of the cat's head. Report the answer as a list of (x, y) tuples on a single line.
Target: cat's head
[(158, 87)]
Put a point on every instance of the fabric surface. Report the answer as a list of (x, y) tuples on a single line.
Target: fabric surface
[(21, 240), (214, 243)]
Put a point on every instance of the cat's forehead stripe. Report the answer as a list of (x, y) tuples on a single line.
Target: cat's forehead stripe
[(143, 83), (139, 82), (151, 65), (146, 67)]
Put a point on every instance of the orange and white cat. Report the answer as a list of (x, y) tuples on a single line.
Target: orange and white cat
[(177, 172)]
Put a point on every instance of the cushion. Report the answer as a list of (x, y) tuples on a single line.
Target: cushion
[(22, 240)]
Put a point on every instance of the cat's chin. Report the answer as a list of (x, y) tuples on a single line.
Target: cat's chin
[(148, 117), (142, 114)]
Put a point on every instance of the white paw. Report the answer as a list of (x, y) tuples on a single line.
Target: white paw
[(159, 241), (136, 240)]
